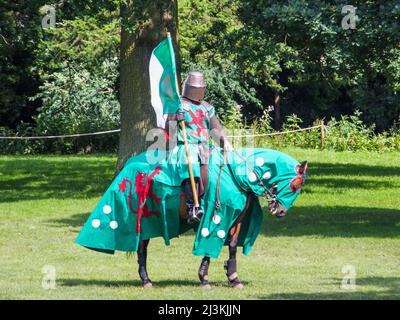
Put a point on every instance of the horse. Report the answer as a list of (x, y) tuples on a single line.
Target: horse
[(145, 201)]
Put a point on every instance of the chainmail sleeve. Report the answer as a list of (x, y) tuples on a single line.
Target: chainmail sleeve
[(218, 133)]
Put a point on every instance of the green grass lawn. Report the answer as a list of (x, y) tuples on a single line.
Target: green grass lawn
[(348, 214)]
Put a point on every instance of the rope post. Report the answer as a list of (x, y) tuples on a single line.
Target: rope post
[(322, 134)]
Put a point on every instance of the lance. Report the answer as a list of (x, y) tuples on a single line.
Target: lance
[(183, 129)]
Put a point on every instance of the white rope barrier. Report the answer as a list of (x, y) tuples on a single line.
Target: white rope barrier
[(63, 136), (275, 133), (118, 130)]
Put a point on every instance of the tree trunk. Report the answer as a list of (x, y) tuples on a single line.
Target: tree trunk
[(144, 24)]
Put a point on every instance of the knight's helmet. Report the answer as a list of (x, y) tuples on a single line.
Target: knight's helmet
[(194, 86)]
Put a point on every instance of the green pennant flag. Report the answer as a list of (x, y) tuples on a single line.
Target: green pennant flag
[(163, 81)]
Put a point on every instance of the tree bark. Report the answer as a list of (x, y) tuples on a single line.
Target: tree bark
[(144, 24)]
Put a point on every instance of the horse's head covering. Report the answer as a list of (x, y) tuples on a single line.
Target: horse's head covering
[(269, 166)]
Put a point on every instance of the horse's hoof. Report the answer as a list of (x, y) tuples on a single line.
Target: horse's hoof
[(147, 285), (238, 286), (206, 286)]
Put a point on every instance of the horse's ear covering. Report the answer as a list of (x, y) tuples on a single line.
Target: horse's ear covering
[(303, 167)]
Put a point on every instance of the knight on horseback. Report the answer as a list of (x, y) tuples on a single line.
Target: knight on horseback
[(201, 123), (145, 199)]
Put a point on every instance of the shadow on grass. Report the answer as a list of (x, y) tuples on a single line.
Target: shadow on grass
[(79, 219), (334, 169), (98, 283), (340, 221), (335, 221), (35, 179), (341, 177), (384, 288), (76, 220), (82, 177), (342, 185), (126, 283), (306, 221)]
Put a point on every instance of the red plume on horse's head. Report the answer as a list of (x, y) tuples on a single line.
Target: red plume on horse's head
[(297, 182), (303, 168)]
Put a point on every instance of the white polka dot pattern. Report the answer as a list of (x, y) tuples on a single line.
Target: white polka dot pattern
[(95, 223), (260, 161), (252, 176), (106, 209), (221, 234), (205, 232), (216, 219), (267, 175), (113, 224)]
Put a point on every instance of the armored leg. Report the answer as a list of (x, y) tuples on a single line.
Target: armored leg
[(203, 272), (194, 213), (142, 261), (230, 265)]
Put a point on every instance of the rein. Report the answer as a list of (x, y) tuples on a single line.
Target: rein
[(218, 189), (268, 194)]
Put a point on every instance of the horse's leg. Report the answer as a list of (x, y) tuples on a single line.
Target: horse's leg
[(203, 272), (142, 257), (230, 265)]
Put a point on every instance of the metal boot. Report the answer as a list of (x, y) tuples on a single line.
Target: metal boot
[(194, 213)]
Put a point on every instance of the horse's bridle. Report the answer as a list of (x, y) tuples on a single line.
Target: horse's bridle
[(270, 193)]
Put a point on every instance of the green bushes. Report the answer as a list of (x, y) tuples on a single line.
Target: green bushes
[(348, 133), (73, 101), (77, 101)]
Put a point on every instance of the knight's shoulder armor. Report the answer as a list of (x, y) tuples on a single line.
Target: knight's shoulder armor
[(207, 105)]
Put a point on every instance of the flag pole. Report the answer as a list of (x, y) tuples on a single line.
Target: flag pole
[(183, 128)]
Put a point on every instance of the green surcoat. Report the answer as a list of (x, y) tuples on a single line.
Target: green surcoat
[(198, 126)]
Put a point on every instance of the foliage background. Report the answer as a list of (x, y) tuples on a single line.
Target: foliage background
[(65, 79)]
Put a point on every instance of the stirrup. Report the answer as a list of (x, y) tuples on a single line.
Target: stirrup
[(194, 214)]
